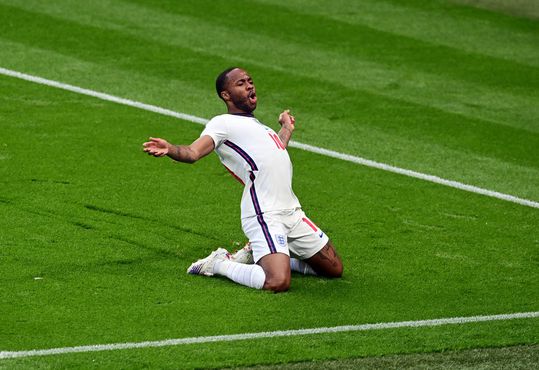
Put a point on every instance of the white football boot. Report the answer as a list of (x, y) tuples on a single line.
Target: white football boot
[(204, 266), (244, 255)]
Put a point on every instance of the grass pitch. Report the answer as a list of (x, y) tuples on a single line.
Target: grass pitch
[(95, 236)]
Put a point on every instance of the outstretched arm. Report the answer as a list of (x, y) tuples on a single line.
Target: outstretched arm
[(287, 122), (181, 153)]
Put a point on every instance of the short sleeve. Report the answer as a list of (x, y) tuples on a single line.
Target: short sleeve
[(216, 128)]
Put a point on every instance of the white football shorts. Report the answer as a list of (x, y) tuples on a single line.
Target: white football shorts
[(289, 232)]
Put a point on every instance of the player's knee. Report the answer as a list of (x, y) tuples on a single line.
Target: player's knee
[(277, 283), (337, 271)]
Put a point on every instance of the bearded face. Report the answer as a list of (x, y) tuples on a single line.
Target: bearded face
[(240, 93)]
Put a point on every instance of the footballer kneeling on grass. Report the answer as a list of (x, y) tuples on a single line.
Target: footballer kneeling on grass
[(271, 215)]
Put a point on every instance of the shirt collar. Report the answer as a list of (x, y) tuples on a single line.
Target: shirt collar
[(243, 114)]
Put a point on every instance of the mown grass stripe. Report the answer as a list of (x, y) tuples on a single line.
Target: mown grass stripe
[(294, 144), (361, 76), (434, 24), (270, 334)]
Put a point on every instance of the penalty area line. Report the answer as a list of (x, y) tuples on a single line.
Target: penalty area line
[(292, 143), (269, 334)]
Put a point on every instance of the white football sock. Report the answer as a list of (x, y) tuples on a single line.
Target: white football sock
[(252, 276), (301, 267)]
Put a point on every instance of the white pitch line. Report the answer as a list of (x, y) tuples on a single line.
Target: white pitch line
[(294, 144), (102, 96), (417, 175), (270, 334)]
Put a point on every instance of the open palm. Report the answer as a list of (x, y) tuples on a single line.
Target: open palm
[(156, 147)]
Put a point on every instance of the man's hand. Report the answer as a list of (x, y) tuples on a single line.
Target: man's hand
[(157, 147), (287, 122), (201, 147)]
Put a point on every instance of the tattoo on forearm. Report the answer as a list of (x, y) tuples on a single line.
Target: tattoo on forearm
[(284, 135), (181, 153)]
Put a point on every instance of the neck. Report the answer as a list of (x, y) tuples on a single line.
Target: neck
[(239, 112), (243, 114)]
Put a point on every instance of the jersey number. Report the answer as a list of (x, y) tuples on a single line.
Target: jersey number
[(277, 141)]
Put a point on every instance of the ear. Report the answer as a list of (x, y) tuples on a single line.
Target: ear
[(225, 95)]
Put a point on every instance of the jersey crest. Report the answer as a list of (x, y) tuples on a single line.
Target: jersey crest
[(281, 240)]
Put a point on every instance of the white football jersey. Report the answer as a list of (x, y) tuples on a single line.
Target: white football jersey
[(255, 155)]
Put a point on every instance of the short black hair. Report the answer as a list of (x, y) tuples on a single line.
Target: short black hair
[(222, 79)]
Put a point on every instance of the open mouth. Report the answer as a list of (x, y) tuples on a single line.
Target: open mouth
[(252, 97)]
